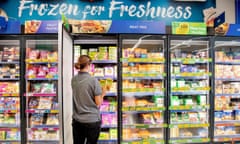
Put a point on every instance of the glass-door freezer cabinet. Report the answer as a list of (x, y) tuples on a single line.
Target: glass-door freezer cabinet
[(189, 96), (143, 76)]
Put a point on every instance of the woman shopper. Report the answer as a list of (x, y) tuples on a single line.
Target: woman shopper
[(87, 98)]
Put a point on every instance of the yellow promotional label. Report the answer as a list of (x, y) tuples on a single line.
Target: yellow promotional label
[(5, 94), (137, 142), (49, 76), (125, 75), (193, 28), (54, 111), (237, 124), (183, 28), (44, 60), (14, 129), (203, 88), (132, 108), (31, 76), (141, 109), (125, 108), (27, 60), (226, 139)]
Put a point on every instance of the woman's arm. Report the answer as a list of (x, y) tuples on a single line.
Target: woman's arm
[(99, 98)]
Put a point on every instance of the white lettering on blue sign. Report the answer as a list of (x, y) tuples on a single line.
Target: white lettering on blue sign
[(92, 10), (118, 8), (47, 9), (148, 11)]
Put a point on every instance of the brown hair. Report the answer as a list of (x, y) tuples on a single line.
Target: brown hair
[(83, 61)]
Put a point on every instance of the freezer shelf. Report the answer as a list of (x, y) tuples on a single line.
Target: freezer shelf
[(132, 126), (190, 140), (142, 108), (147, 141), (191, 61)]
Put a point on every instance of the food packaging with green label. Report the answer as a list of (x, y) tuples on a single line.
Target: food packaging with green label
[(102, 83), (112, 53), (104, 136), (109, 83), (175, 101), (102, 49), (113, 133), (185, 117), (173, 83), (158, 100), (201, 100), (176, 69), (84, 51), (180, 83), (106, 83), (174, 117), (93, 53), (188, 101)]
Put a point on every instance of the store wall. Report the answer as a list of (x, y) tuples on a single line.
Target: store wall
[(229, 7)]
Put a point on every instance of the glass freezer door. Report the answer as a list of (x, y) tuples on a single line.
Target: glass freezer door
[(10, 91), (103, 51), (227, 90), (42, 100), (189, 90), (143, 89)]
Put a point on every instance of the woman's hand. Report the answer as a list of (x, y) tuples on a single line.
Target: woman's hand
[(104, 91)]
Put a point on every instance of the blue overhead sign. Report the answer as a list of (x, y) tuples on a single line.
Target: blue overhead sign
[(233, 30), (153, 27), (237, 5), (157, 10)]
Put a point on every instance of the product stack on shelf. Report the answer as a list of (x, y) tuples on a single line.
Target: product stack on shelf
[(227, 93), (143, 92), (189, 101), (9, 91), (42, 107), (104, 68)]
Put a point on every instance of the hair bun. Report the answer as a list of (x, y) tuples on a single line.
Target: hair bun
[(83, 61), (77, 66)]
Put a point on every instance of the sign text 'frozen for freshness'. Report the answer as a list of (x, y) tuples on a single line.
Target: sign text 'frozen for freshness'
[(115, 9)]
